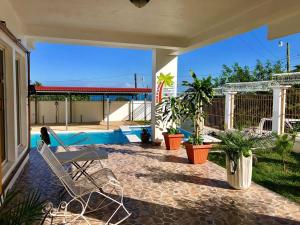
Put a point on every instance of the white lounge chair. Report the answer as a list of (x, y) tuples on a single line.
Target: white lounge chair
[(70, 147), (102, 182)]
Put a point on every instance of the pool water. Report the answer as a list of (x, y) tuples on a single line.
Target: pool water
[(107, 137), (113, 137)]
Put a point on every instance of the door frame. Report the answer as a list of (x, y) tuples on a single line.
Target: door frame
[(2, 48)]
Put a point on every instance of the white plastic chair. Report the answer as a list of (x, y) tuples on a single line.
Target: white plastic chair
[(81, 190)]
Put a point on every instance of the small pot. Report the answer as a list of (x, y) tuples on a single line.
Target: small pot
[(173, 141), (197, 154)]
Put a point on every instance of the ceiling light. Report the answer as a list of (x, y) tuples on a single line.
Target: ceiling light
[(139, 3)]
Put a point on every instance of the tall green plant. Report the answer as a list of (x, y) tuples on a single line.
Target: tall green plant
[(24, 211), (284, 145), (199, 92), (169, 113)]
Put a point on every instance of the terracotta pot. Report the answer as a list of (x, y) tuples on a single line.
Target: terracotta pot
[(197, 154), (173, 141)]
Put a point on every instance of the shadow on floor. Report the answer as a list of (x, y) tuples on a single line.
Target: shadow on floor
[(159, 175)]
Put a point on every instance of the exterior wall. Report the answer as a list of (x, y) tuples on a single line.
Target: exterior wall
[(12, 129), (90, 111)]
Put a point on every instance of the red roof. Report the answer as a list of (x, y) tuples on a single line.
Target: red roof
[(60, 89)]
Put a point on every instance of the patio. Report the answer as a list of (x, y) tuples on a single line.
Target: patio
[(160, 187)]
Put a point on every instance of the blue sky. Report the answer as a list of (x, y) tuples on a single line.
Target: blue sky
[(74, 65)]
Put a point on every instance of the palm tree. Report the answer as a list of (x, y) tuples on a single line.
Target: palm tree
[(163, 80), (199, 93)]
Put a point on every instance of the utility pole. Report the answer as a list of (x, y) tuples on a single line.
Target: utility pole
[(135, 81), (135, 84), (288, 58)]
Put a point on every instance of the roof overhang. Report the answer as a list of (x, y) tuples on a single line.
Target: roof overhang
[(59, 90), (177, 25)]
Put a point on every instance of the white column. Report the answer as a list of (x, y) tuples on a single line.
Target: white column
[(229, 110), (162, 62), (66, 109), (278, 116), (107, 114)]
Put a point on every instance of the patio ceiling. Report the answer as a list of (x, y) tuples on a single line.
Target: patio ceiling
[(173, 24)]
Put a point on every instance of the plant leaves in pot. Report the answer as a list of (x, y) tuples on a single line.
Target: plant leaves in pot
[(198, 93), (238, 147), (168, 115)]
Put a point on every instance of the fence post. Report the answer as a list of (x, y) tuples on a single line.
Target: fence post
[(229, 110), (108, 112), (278, 114), (145, 109)]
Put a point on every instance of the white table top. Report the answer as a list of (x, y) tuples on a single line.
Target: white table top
[(81, 155)]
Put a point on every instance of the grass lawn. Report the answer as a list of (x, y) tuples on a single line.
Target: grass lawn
[(269, 173)]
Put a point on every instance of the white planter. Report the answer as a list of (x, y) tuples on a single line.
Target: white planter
[(241, 179), (296, 147)]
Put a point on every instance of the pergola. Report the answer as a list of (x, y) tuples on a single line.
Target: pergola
[(105, 92)]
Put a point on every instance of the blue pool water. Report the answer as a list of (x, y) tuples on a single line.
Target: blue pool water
[(112, 137)]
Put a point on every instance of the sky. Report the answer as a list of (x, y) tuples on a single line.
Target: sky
[(75, 65)]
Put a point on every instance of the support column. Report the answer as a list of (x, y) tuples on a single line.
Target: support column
[(278, 116), (166, 64), (103, 107), (229, 110), (145, 107), (66, 111), (71, 110), (108, 112), (36, 115)]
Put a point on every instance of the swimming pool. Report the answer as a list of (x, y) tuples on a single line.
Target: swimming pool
[(97, 137), (107, 137)]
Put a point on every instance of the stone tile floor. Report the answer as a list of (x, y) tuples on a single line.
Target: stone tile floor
[(161, 187)]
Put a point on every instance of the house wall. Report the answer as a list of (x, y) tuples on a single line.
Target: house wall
[(89, 111), (11, 52)]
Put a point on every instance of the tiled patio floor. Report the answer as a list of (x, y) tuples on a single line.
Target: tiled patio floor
[(162, 188)]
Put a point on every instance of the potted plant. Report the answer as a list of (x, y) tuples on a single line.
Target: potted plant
[(238, 147), (168, 113), (199, 92)]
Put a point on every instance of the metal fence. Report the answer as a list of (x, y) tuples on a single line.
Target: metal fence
[(253, 111), (214, 113), (292, 109)]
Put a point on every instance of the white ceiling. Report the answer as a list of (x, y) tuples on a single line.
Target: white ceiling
[(177, 24)]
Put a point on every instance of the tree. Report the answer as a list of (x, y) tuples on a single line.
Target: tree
[(297, 68), (198, 94), (236, 73), (37, 83)]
